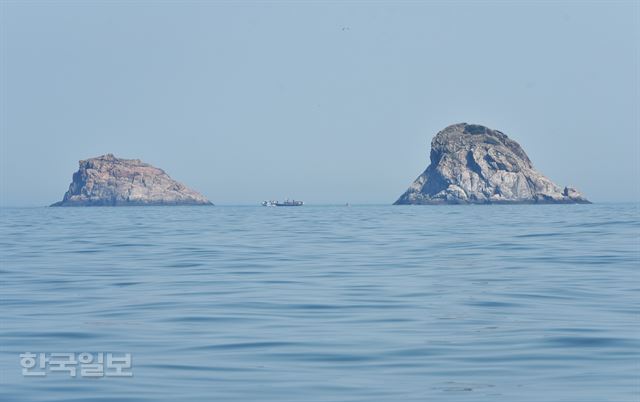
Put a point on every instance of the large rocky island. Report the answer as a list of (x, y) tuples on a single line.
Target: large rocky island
[(109, 181), (473, 164)]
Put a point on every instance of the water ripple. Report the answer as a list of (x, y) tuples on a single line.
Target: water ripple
[(369, 303)]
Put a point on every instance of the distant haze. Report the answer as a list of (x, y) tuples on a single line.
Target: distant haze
[(325, 102)]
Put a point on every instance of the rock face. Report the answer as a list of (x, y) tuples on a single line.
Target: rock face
[(110, 181), (473, 164)]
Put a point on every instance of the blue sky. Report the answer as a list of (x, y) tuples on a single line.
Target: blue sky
[(321, 101)]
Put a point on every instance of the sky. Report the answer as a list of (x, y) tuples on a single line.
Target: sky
[(328, 102)]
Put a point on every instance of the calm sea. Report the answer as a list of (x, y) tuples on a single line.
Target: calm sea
[(362, 303)]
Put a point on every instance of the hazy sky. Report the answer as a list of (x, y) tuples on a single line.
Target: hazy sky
[(321, 101)]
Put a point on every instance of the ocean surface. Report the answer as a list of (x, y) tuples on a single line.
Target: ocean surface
[(326, 303)]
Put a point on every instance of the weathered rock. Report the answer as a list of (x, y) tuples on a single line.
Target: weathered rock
[(110, 181), (472, 164)]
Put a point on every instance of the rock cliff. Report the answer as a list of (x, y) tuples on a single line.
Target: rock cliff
[(110, 181), (473, 164)]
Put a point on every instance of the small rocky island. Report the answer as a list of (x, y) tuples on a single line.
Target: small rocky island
[(473, 164), (109, 181)]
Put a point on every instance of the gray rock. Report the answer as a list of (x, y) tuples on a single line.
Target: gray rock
[(110, 181), (473, 164)]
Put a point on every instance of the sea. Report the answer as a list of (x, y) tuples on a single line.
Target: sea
[(321, 303)]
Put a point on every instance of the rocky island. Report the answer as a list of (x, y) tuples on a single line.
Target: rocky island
[(109, 181), (473, 164)]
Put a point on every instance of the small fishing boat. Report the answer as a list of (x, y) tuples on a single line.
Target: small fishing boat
[(286, 203)]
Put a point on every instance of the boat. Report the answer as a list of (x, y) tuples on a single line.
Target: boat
[(286, 203)]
